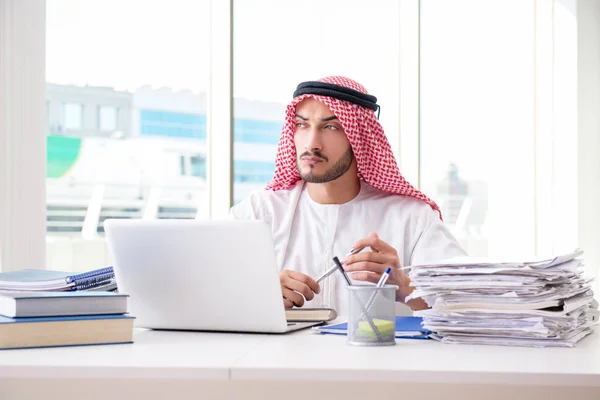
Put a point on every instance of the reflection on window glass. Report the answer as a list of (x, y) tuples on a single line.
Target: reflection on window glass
[(476, 94), (263, 89), (126, 97)]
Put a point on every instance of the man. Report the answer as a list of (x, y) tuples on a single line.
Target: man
[(337, 187)]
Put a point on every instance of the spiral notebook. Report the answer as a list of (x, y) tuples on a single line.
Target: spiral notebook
[(406, 328), (48, 280)]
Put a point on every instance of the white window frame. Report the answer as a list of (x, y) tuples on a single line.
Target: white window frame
[(219, 113), (22, 135), (409, 150), (588, 129)]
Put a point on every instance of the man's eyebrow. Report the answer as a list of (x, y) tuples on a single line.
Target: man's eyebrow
[(322, 119)]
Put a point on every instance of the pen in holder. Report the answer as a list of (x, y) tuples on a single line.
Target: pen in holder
[(381, 283), (381, 313), (372, 327)]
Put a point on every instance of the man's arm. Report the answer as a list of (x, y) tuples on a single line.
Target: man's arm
[(435, 243), (249, 208)]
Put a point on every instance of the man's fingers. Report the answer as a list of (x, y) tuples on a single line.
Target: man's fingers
[(368, 256), (293, 297), (295, 287), (367, 266), (310, 282), (287, 303), (300, 287), (366, 276), (375, 244)]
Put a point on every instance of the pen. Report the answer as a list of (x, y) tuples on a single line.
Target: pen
[(357, 298), (380, 284), (384, 277), (334, 267), (338, 265)]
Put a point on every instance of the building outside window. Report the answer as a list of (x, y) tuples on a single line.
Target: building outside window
[(98, 55)]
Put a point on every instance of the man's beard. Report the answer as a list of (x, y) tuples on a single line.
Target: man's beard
[(338, 169)]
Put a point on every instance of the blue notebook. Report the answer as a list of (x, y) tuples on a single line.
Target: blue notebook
[(40, 279), (406, 328)]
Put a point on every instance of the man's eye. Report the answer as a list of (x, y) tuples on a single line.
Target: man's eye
[(331, 127), (300, 124)]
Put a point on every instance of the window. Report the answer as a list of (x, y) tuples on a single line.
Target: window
[(192, 165), (477, 121), (198, 166), (107, 119), (142, 67), (73, 116), (266, 75), (173, 124)]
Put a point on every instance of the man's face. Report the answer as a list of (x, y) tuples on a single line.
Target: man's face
[(323, 150)]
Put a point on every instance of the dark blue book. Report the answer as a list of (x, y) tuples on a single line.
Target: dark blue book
[(18, 333), (44, 304), (47, 280), (406, 328)]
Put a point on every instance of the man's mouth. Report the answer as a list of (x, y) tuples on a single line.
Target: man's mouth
[(312, 160)]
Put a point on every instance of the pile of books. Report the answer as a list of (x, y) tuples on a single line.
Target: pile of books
[(40, 308), (538, 302)]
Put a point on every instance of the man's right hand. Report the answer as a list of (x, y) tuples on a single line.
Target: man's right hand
[(295, 285)]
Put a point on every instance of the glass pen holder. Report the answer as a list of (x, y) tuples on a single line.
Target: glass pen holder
[(372, 315)]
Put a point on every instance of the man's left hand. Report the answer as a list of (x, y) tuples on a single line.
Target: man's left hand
[(370, 265)]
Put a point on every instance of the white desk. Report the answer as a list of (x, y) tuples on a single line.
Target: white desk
[(301, 365)]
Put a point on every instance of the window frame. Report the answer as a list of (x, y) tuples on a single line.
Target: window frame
[(23, 125), (26, 180)]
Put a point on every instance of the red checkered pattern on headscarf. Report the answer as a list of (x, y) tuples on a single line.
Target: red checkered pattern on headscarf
[(376, 163)]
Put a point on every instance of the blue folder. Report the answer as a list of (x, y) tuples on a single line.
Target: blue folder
[(406, 328)]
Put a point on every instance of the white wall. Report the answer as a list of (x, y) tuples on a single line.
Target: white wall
[(588, 119)]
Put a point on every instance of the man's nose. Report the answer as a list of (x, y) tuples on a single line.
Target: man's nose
[(313, 142)]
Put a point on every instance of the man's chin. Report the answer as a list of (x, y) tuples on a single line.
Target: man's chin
[(313, 170), (312, 178)]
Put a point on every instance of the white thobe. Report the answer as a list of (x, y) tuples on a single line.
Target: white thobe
[(307, 235)]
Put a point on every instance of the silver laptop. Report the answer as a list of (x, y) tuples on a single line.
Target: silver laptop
[(199, 275)]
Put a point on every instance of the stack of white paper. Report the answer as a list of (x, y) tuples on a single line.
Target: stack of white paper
[(540, 302)]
